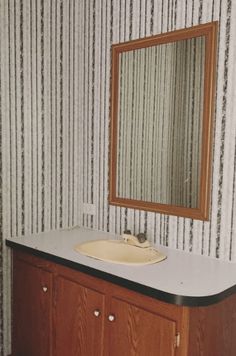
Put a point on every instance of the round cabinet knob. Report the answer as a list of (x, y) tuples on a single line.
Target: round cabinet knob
[(111, 317), (96, 313), (45, 289)]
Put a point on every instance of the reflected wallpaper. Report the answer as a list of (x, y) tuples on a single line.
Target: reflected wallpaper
[(160, 116), (54, 109)]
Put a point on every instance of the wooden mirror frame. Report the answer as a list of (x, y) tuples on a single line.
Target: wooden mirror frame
[(209, 31)]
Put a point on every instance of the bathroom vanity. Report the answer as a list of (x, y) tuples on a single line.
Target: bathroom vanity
[(65, 303)]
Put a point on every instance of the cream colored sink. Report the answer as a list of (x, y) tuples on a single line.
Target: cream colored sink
[(117, 251)]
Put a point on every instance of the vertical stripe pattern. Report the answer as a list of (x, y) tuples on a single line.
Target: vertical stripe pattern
[(1, 211), (39, 89), (41, 130)]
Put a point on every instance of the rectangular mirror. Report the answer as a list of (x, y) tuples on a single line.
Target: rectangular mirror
[(161, 122)]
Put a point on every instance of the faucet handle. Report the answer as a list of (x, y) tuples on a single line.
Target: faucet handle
[(141, 237), (140, 241)]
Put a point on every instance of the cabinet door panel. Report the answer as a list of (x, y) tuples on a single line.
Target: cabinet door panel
[(138, 332), (32, 291), (78, 330)]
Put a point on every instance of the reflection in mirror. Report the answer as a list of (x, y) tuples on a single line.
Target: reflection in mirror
[(161, 122)]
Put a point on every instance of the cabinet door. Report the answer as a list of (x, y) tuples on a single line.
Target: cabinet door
[(32, 291), (134, 331), (78, 316)]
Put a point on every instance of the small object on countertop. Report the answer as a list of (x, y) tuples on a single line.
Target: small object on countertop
[(133, 240)]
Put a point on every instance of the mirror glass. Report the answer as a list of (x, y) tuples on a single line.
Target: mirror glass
[(161, 107)]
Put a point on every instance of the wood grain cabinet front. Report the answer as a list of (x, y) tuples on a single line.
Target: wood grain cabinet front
[(32, 307), (96, 318), (78, 317), (59, 311), (134, 330)]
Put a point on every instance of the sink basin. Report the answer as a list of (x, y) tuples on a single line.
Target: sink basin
[(118, 251)]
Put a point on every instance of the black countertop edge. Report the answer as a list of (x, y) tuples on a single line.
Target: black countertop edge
[(181, 300)]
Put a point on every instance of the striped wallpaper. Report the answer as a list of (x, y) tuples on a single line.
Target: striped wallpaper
[(54, 111), (40, 113), (1, 211)]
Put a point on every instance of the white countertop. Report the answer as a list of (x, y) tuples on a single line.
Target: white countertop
[(181, 274)]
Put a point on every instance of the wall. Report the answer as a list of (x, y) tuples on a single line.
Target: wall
[(1, 211), (41, 116), (40, 103), (54, 96), (107, 22)]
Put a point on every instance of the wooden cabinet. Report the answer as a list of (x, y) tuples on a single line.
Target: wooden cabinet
[(32, 308), (59, 311), (137, 330), (78, 317), (98, 318)]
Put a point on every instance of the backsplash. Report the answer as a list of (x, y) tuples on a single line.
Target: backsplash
[(54, 101)]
